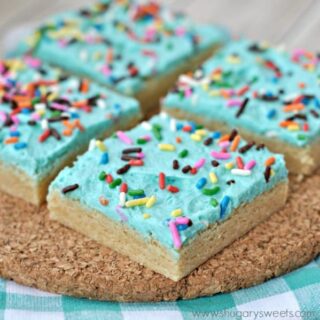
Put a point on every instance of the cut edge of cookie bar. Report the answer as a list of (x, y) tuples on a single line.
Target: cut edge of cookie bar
[(17, 183), (299, 160), (150, 252), (156, 88)]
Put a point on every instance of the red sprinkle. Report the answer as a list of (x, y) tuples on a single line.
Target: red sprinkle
[(109, 178), (162, 180), (194, 171), (172, 189), (306, 127), (136, 163), (124, 187), (240, 163), (45, 135)]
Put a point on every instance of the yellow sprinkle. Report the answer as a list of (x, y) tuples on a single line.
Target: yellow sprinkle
[(216, 76), (205, 87), (101, 146), (146, 216), (152, 200), (233, 59), (166, 147), (293, 127), (272, 173), (136, 202), (228, 165), (213, 177), (176, 212), (52, 96), (214, 93), (201, 132), (196, 137)]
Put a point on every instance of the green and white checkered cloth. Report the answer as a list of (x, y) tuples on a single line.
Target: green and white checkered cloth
[(293, 296)]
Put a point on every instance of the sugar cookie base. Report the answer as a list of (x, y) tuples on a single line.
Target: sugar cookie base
[(17, 183), (298, 160), (151, 253)]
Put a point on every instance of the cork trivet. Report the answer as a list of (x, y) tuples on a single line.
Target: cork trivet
[(43, 254)]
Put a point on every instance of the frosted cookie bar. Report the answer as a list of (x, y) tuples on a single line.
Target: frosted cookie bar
[(172, 194), (136, 49), (271, 96), (46, 119)]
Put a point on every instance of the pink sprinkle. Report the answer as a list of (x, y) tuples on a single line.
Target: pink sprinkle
[(180, 31), (35, 116), (106, 70), (58, 106), (188, 93), (200, 163), (121, 214), (147, 138), (3, 116), (182, 220), (249, 165), (175, 234), (15, 119), (124, 138), (32, 62), (220, 155), (140, 155), (13, 128), (224, 144), (233, 103)]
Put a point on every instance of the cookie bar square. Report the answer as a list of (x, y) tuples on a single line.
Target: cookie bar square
[(268, 94), (135, 49), (46, 119), (172, 195)]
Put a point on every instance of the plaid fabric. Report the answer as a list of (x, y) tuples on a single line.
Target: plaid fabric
[(292, 296)]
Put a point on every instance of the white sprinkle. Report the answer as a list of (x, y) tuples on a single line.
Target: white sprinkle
[(122, 199), (101, 104), (173, 125), (241, 172), (271, 134), (92, 144), (40, 106), (146, 125), (44, 124), (163, 115)]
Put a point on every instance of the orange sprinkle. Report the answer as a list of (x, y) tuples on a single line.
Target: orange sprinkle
[(67, 132), (302, 85), (287, 123), (68, 124), (84, 86), (78, 125), (235, 143), (79, 104), (293, 107), (224, 138), (11, 140), (178, 140), (109, 56), (270, 161)]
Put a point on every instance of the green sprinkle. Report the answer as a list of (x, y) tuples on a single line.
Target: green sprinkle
[(156, 130), (141, 141), (136, 192), (214, 202), (102, 175), (183, 153), (211, 192), (115, 183), (301, 137), (199, 126)]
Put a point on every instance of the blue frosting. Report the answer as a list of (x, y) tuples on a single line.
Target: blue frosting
[(201, 209), (276, 82), (29, 155), (145, 40)]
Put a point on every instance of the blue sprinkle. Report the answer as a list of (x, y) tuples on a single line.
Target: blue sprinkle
[(74, 115), (12, 82), (317, 103), (216, 135), (200, 184), (20, 145), (104, 158), (193, 126), (271, 113), (14, 134), (305, 100), (26, 111), (223, 206), (182, 227), (275, 80), (179, 126), (117, 106), (139, 196)]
